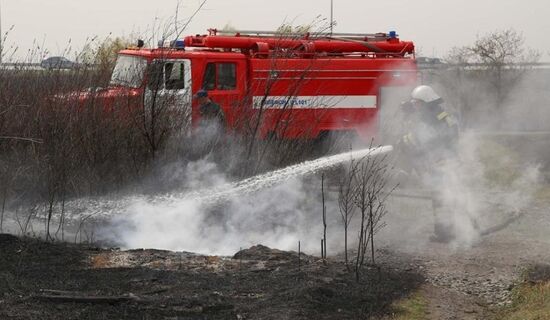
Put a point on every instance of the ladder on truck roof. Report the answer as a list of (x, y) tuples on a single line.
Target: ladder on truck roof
[(264, 43), (308, 35)]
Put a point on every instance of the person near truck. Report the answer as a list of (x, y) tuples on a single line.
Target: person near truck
[(428, 143), (211, 126), (208, 109)]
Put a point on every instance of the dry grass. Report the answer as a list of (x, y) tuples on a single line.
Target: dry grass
[(100, 261), (531, 299), (531, 302), (412, 308)]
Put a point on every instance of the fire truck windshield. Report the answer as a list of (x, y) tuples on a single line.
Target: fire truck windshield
[(129, 71)]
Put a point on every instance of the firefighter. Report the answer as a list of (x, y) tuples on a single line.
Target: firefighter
[(208, 109), (432, 129), (211, 128), (428, 143)]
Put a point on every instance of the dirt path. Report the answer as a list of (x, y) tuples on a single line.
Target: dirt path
[(470, 282), (446, 304)]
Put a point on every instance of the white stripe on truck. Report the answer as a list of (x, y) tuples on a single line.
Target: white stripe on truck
[(315, 102)]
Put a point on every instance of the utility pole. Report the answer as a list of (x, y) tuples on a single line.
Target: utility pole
[(331, 16)]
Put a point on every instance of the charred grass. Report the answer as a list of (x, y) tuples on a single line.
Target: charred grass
[(40, 280)]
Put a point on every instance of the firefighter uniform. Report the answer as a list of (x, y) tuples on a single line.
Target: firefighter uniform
[(429, 142), (211, 129), (211, 111)]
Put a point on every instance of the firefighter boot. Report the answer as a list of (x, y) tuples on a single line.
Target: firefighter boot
[(444, 230)]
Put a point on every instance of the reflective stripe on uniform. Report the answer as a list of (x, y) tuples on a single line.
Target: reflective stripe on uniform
[(442, 115), (408, 139), (447, 117)]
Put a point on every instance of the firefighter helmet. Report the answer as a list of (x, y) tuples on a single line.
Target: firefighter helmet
[(201, 94), (425, 93)]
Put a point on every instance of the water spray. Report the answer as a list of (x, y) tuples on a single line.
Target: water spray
[(266, 180), (185, 221)]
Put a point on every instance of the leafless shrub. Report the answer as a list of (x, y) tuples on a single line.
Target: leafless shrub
[(81, 230), (370, 180), (272, 149), (495, 63), (346, 197), (25, 219), (324, 211), (74, 141), (64, 147)]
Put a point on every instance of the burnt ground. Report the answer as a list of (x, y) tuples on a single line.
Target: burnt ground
[(40, 280)]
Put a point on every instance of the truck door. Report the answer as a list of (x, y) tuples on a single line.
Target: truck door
[(169, 90), (225, 83)]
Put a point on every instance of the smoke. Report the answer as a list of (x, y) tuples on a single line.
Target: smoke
[(278, 208), (482, 188), (274, 217), (490, 181), (500, 158), (485, 187)]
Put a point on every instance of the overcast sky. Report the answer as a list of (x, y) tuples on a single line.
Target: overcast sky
[(434, 25)]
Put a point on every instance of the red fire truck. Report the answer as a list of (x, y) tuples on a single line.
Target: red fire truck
[(287, 85)]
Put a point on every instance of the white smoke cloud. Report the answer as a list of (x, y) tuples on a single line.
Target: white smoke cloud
[(492, 179), (270, 217), (276, 209)]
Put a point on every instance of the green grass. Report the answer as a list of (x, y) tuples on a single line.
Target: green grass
[(412, 308), (530, 302)]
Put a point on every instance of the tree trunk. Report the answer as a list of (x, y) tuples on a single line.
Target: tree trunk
[(346, 246), (4, 196), (324, 217)]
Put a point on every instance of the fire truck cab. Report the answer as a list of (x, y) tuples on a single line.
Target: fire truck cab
[(287, 85)]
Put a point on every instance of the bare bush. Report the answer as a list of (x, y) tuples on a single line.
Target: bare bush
[(495, 63), (324, 211), (370, 180), (67, 144), (102, 54), (346, 197)]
